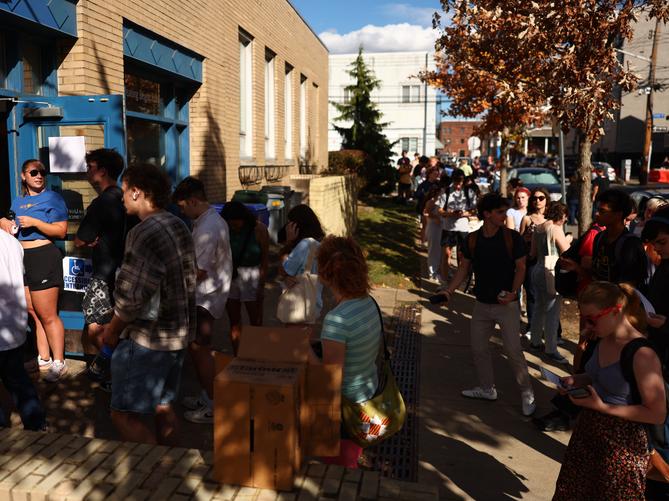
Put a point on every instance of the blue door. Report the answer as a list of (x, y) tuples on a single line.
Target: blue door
[(57, 130)]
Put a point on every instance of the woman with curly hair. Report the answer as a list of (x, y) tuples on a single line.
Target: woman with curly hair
[(352, 330)]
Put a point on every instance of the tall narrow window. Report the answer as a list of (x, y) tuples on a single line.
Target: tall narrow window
[(270, 105), (288, 113), (245, 95), (303, 116), (410, 93)]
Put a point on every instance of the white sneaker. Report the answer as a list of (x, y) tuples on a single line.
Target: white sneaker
[(203, 415), (44, 365), (57, 370), (193, 403), (481, 393), (529, 406)]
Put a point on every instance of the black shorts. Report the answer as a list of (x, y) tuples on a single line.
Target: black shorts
[(454, 239), (43, 267)]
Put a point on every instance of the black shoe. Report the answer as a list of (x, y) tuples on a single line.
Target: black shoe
[(554, 421)]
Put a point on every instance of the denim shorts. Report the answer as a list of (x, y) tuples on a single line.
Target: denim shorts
[(143, 379)]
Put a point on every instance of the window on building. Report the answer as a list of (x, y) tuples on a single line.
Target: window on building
[(303, 116), (462, 141), (409, 144), (270, 104), (288, 113), (411, 93), (245, 95), (347, 96)]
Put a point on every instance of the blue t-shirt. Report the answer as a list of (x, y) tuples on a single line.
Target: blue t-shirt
[(47, 206), (356, 323), (297, 260)]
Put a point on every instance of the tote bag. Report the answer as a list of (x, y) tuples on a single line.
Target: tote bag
[(550, 260), (299, 303)]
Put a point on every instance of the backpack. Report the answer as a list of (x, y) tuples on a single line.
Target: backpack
[(657, 433), (566, 282), (617, 251), (508, 241)]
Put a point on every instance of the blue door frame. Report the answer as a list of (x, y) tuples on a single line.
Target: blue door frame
[(28, 114)]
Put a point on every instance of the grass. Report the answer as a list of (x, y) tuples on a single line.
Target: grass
[(387, 232)]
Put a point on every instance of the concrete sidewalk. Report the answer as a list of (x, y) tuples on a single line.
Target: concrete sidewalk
[(475, 449)]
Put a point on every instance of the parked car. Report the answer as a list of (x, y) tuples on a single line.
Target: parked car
[(606, 167), (537, 177), (641, 195)]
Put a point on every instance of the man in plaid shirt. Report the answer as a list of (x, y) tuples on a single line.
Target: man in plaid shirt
[(154, 314)]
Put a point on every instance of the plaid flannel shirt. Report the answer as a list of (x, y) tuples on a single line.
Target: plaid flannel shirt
[(155, 287)]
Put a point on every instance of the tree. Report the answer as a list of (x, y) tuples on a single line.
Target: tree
[(366, 130), (484, 74)]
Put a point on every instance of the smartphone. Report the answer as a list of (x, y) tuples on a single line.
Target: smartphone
[(578, 392), (438, 298)]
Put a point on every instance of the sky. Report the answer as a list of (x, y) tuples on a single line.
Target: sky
[(380, 26)]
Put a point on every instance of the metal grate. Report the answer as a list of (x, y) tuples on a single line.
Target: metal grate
[(397, 457)]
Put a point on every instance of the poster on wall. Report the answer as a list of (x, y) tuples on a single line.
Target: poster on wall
[(67, 155), (77, 273)]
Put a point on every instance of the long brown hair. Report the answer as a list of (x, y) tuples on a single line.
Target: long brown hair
[(607, 295), (342, 266)]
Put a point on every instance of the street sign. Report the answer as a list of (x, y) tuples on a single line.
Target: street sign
[(660, 128), (659, 115)]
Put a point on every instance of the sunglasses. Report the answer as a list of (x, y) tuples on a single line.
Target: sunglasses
[(36, 172), (591, 320), (540, 198)]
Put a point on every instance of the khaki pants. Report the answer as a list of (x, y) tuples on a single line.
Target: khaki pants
[(483, 322)]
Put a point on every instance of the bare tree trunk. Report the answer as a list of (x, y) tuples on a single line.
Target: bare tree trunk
[(504, 171), (584, 177)]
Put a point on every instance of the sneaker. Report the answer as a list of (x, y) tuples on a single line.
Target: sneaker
[(44, 365), (57, 370), (554, 421), (481, 393), (193, 403), (535, 348), (203, 415), (529, 406), (98, 370), (557, 358)]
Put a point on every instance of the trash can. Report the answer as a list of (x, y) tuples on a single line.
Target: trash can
[(250, 197), (278, 203), (260, 211)]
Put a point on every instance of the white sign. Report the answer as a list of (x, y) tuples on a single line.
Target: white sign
[(475, 153), (67, 154), (77, 273), (473, 143)]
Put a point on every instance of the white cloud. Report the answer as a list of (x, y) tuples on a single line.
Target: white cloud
[(390, 38), (410, 13)]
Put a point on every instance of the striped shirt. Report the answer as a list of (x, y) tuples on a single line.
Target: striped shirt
[(356, 323), (155, 286)]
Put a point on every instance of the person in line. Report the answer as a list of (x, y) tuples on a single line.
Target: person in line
[(351, 335), (433, 233), (103, 231), (497, 256), (515, 214), (213, 258), (404, 179), (431, 179), (154, 313), (303, 237), (456, 204), (607, 457), (653, 204), (573, 199), (548, 242), (535, 217), (13, 325), (41, 217), (249, 243), (600, 184)]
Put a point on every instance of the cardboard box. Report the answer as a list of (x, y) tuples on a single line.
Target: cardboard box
[(271, 407)]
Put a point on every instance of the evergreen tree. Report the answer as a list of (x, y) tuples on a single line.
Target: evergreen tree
[(366, 130)]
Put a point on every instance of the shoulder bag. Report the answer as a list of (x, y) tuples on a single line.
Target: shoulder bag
[(299, 303)]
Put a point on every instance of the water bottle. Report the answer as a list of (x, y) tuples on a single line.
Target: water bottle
[(11, 215)]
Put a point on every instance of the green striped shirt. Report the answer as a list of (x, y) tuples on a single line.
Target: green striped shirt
[(356, 323)]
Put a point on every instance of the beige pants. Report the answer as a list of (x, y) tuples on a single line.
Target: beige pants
[(483, 322)]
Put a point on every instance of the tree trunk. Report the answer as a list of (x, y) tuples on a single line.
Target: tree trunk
[(584, 177), (504, 171)]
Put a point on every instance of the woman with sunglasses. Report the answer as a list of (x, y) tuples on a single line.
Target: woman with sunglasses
[(607, 457), (535, 216), (41, 217)]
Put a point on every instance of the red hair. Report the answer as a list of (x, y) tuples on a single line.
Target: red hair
[(342, 266)]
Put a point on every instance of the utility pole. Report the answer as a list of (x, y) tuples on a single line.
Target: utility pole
[(648, 137), (425, 115)]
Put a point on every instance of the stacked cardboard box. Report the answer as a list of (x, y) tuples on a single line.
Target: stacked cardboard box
[(273, 404)]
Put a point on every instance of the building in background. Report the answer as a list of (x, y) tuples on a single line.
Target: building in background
[(454, 136), (408, 106), (230, 93)]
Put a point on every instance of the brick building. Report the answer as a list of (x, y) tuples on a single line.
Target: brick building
[(224, 90), (454, 134)]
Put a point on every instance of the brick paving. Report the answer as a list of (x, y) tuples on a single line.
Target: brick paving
[(51, 466)]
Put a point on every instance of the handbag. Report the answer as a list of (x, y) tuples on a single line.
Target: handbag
[(550, 261), (299, 303), (370, 422)]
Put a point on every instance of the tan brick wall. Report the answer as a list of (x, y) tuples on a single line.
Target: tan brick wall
[(94, 65)]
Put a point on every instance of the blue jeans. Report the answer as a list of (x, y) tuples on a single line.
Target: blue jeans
[(13, 375), (572, 205), (546, 317)]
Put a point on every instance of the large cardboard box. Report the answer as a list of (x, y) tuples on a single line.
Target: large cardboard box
[(272, 405)]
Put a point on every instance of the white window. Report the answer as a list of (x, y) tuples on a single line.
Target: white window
[(409, 144), (270, 105), (288, 113), (303, 116), (410, 93), (245, 95)]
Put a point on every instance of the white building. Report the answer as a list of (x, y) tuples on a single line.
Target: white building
[(408, 106)]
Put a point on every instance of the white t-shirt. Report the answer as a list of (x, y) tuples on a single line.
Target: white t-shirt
[(457, 200), (213, 255), (13, 311), (517, 215)]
